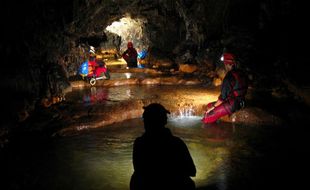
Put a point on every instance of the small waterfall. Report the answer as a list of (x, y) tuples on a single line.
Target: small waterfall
[(186, 112), (185, 117)]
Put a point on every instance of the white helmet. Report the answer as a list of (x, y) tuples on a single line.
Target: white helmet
[(92, 50)]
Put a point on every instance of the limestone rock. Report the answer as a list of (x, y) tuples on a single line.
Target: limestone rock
[(188, 68), (253, 116)]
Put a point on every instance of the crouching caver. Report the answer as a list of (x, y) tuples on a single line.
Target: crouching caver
[(232, 97)]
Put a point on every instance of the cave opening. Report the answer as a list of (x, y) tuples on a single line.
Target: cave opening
[(114, 38), (129, 29)]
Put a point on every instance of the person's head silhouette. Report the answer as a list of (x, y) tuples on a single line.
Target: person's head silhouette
[(160, 159), (154, 117)]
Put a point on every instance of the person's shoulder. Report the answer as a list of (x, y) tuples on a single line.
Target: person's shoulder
[(178, 140), (138, 142), (139, 139)]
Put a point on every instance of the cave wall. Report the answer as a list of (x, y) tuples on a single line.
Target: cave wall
[(42, 38), (254, 30)]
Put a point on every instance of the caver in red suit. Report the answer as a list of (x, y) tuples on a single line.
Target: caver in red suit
[(233, 91), (92, 65), (95, 67)]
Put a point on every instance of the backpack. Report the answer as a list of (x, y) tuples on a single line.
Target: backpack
[(240, 86), (142, 54), (83, 69)]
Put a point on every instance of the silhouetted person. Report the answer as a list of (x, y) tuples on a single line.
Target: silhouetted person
[(160, 160)]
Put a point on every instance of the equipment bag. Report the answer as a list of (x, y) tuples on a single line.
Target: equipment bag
[(83, 70)]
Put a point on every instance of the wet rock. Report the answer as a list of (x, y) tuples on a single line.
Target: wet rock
[(253, 116), (217, 81), (67, 89), (136, 81), (79, 84), (169, 80), (220, 73), (191, 82), (163, 64), (118, 82), (100, 116), (150, 81), (135, 70), (188, 68), (187, 57), (47, 102), (303, 93)]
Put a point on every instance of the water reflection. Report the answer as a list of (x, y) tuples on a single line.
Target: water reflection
[(208, 146), (95, 95), (107, 152), (101, 158), (173, 94)]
